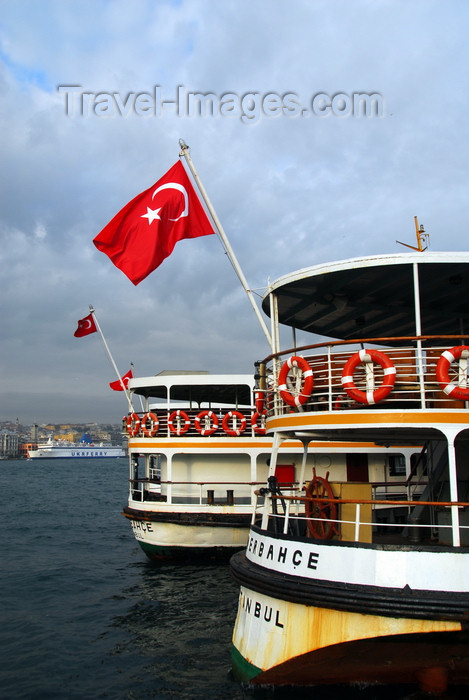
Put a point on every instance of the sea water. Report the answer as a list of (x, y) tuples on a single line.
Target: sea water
[(85, 615)]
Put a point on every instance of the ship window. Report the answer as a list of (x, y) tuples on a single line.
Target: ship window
[(397, 465)]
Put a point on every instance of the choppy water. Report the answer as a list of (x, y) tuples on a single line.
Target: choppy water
[(84, 614)]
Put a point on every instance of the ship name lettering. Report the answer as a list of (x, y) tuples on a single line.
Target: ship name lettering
[(252, 544), (297, 557), (260, 611), (144, 527), (282, 554)]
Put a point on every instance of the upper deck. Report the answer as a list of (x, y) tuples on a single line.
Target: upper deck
[(195, 388), (389, 295), (175, 404), (408, 309)]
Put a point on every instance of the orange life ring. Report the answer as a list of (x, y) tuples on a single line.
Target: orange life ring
[(179, 422), (377, 395), (259, 400), (152, 429), (445, 361), (206, 415), (236, 415), (133, 424), (259, 416), (302, 365)]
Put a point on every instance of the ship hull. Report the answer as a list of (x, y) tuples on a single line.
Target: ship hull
[(76, 453), (170, 535), (316, 612), (280, 643), (277, 642)]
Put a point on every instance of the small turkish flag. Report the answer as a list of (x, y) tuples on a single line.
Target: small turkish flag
[(145, 231), (117, 385), (85, 327)]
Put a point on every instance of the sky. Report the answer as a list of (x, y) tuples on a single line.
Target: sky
[(297, 170)]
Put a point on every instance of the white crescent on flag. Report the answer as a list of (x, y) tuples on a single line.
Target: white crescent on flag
[(153, 214)]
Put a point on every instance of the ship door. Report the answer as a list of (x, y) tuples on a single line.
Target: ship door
[(285, 474), (357, 467)]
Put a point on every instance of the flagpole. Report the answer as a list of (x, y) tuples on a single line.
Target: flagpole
[(229, 251), (111, 358)]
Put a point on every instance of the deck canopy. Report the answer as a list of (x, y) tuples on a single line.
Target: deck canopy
[(374, 297), (196, 388)]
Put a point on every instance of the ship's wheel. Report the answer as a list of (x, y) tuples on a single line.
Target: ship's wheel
[(324, 512)]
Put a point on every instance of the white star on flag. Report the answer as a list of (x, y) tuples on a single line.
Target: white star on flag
[(152, 214)]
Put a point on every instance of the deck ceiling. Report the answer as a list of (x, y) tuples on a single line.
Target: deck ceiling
[(376, 301), (200, 395)]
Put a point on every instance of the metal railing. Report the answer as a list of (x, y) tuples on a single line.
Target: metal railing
[(240, 425), (286, 514), (414, 358), (192, 493)]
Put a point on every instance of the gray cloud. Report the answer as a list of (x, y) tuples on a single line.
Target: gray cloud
[(290, 191)]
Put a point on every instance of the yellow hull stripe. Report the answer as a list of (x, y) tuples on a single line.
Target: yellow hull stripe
[(342, 418)]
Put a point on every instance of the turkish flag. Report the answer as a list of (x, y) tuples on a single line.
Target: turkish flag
[(145, 231), (85, 327), (117, 385)]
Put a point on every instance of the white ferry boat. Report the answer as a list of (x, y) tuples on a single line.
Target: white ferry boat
[(198, 452), (342, 580), (84, 449)]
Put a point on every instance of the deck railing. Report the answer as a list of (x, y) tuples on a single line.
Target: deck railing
[(415, 382), (194, 493), (238, 424), (354, 520)]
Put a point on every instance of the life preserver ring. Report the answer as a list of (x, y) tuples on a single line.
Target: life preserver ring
[(259, 416), (206, 416), (133, 424), (302, 365), (445, 361), (377, 395), (152, 429), (179, 422), (259, 400), (227, 423)]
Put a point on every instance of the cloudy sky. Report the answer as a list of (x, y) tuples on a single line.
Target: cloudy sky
[(294, 184)]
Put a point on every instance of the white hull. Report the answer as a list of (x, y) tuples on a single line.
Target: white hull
[(75, 452), (169, 535), (422, 570)]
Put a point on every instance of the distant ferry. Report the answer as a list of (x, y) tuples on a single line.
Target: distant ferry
[(62, 449)]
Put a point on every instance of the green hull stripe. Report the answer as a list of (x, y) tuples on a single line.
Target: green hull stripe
[(242, 669)]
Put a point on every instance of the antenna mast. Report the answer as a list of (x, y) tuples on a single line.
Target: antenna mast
[(422, 238)]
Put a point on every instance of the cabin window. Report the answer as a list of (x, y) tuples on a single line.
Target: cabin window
[(397, 465)]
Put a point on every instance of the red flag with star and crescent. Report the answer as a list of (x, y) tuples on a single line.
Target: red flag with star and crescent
[(85, 327), (123, 382), (145, 231)]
